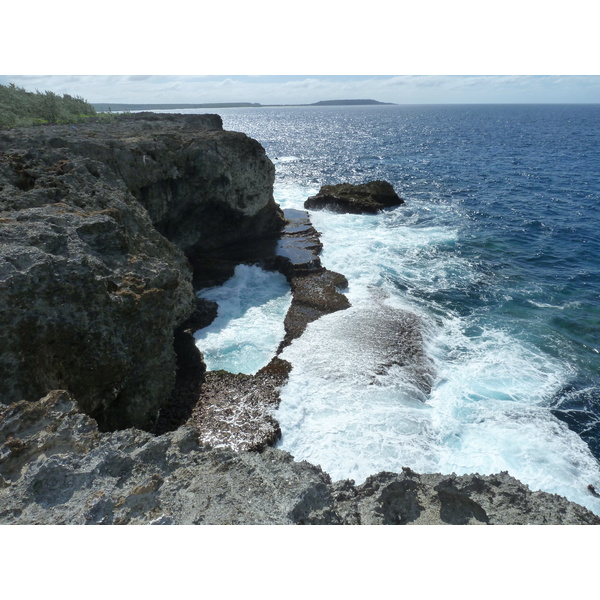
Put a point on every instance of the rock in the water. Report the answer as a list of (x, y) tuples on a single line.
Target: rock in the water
[(236, 410), (364, 198), (315, 290)]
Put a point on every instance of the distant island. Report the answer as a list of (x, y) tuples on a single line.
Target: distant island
[(348, 103), (117, 107)]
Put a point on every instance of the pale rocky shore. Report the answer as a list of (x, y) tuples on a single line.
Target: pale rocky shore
[(107, 413), (58, 468)]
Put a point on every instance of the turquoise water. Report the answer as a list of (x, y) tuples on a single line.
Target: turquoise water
[(249, 325), (496, 250)]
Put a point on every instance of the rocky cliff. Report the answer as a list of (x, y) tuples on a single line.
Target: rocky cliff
[(105, 229), (96, 222)]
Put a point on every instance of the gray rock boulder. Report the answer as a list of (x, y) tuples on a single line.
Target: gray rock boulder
[(364, 198), (57, 468)]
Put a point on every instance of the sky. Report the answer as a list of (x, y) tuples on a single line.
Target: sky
[(305, 89), (265, 51)]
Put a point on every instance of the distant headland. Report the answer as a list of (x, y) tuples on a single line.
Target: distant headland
[(116, 106)]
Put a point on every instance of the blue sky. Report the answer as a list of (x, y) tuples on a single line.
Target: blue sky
[(281, 89)]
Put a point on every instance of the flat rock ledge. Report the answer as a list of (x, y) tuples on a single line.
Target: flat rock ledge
[(363, 198), (56, 467)]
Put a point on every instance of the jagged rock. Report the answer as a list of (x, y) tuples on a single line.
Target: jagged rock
[(364, 198), (91, 289), (316, 291), (91, 294), (409, 498), (57, 468), (235, 410)]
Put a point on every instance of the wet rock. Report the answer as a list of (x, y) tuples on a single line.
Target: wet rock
[(316, 291), (364, 198), (313, 295), (235, 410)]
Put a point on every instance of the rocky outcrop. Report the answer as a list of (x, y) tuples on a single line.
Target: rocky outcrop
[(56, 467), (409, 498), (96, 221), (235, 410), (364, 198), (316, 291)]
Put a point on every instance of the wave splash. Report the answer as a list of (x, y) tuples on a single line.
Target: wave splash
[(249, 324), (468, 395)]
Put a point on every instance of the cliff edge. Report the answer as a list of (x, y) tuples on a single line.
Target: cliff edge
[(98, 224)]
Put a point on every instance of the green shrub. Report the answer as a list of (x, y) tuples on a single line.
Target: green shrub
[(19, 108)]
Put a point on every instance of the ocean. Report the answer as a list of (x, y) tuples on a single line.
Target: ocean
[(496, 252)]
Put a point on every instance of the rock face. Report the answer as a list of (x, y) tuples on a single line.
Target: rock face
[(364, 198), (56, 467), (95, 223)]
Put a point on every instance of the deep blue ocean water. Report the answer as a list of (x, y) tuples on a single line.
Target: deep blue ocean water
[(497, 250)]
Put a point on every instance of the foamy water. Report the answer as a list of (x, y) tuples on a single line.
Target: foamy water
[(495, 252), (488, 408), (249, 324), (347, 409)]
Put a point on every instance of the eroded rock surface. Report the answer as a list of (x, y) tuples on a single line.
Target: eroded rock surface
[(316, 291), (235, 410), (363, 198), (96, 221), (56, 467)]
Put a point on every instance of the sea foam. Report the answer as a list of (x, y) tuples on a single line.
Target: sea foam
[(249, 324), (350, 409)]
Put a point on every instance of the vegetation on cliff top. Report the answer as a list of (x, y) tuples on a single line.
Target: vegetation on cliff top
[(20, 108)]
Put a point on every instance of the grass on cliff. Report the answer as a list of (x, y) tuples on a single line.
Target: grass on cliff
[(20, 108)]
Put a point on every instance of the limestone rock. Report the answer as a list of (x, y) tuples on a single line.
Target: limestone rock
[(94, 223), (409, 498), (364, 198), (57, 468)]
